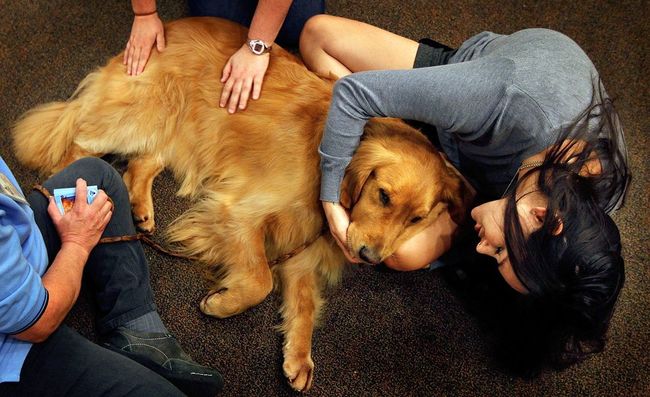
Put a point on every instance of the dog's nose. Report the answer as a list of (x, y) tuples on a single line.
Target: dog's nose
[(367, 255)]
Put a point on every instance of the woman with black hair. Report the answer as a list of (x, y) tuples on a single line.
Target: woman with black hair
[(525, 118)]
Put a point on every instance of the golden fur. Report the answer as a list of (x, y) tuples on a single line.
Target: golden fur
[(253, 176)]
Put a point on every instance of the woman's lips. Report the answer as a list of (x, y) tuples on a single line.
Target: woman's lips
[(479, 230)]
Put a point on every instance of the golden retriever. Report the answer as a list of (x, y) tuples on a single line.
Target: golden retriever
[(254, 175)]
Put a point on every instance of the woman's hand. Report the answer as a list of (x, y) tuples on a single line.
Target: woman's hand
[(339, 220), (85, 223), (146, 31), (244, 73)]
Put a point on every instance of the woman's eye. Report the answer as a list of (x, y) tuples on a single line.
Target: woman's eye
[(498, 250), (416, 219), (383, 197)]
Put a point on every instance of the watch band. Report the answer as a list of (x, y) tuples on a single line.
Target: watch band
[(257, 46)]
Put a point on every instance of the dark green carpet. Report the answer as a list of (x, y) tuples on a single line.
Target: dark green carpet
[(383, 333)]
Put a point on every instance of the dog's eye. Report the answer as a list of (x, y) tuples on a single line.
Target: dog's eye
[(416, 219), (383, 197)]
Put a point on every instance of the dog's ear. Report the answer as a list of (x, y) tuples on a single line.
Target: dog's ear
[(459, 196), (355, 177), (366, 159), (371, 155)]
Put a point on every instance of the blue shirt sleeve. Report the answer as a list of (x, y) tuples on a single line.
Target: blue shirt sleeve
[(23, 298)]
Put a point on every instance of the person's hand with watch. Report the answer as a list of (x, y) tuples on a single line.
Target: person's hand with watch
[(146, 31), (244, 72)]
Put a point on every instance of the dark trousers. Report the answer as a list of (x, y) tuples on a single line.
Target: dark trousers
[(117, 274), (241, 11), (69, 365)]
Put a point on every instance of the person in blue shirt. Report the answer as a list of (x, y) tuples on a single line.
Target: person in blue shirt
[(45, 256)]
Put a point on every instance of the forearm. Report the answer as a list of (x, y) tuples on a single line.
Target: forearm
[(268, 19), (357, 98), (143, 6), (63, 283), (348, 113)]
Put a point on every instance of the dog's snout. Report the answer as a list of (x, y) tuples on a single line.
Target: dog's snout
[(367, 255)]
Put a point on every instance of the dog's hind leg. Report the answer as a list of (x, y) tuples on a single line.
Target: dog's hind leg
[(74, 153), (139, 180), (248, 279)]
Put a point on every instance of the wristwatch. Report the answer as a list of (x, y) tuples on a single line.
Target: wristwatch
[(258, 47)]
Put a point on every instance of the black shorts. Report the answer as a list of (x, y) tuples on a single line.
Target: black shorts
[(432, 53)]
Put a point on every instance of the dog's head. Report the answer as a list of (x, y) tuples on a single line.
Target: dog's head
[(396, 185)]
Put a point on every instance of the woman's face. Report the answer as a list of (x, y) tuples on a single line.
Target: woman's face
[(489, 219)]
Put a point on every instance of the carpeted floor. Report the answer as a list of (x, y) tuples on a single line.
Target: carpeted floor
[(383, 333)]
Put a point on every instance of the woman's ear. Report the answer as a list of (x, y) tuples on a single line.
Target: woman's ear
[(540, 214)]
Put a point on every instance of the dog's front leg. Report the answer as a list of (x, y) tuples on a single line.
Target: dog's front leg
[(301, 305), (139, 180)]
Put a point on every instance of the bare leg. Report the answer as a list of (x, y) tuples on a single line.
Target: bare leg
[(426, 246), (340, 46)]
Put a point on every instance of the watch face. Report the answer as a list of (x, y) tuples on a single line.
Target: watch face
[(257, 47)]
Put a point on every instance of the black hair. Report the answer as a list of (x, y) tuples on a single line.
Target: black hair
[(572, 266)]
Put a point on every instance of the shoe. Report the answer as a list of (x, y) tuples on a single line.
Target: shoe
[(161, 353)]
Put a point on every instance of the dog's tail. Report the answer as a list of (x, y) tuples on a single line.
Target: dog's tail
[(43, 135)]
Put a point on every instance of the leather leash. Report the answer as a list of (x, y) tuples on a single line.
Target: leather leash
[(146, 238)]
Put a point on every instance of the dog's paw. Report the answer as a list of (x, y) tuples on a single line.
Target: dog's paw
[(143, 219), (299, 370), (221, 304)]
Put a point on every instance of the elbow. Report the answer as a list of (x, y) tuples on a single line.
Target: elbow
[(37, 333), (347, 95), (346, 87), (42, 335), (37, 338)]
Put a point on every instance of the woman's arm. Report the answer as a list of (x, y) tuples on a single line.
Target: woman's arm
[(244, 72), (458, 99), (147, 30), (268, 19)]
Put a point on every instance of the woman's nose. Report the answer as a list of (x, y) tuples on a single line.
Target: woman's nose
[(483, 247)]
